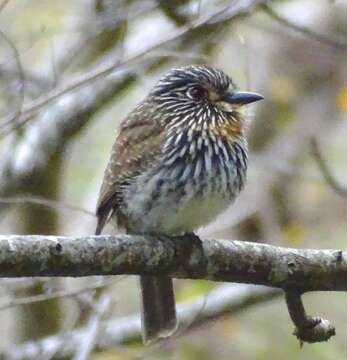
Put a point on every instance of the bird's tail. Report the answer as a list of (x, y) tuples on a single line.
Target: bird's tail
[(158, 308)]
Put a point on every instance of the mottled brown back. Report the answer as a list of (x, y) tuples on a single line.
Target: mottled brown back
[(137, 146)]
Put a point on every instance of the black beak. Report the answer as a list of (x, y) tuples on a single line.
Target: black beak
[(241, 97)]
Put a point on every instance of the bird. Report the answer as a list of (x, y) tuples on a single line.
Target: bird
[(179, 160)]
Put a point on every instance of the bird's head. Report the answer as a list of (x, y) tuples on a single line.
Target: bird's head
[(201, 97)]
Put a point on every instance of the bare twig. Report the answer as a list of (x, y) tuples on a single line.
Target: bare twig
[(308, 329), (56, 294), (219, 15), (21, 76), (63, 60), (324, 169), (225, 300), (31, 154), (53, 204), (89, 337), (337, 44), (33, 82)]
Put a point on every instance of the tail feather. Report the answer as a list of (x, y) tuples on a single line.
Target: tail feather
[(158, 308)]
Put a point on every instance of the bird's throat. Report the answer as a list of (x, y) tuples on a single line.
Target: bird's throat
[(228, 130)]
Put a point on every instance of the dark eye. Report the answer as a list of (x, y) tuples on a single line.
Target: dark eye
[(197, 93)]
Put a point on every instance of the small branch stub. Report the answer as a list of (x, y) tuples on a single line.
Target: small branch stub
[(319, 330), (308, 329)]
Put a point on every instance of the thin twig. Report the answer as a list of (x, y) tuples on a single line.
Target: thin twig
[(38, 200), (90, 336), (127, 60), (324, 169), (337, 44), (62, 63), (21, 76), (58, 294), (35, 81)]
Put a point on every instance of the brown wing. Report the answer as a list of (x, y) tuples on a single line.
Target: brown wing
[(137, 145)]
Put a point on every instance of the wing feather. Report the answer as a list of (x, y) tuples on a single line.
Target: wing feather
[(136, 148)]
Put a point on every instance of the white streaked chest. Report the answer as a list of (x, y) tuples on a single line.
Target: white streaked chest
[(196, 179), (176, 208)]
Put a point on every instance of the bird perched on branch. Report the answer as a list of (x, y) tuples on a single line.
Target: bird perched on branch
[(179, 160)]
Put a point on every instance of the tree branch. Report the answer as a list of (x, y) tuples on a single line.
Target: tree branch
[(293, 270), (224, 300), (181, 257)]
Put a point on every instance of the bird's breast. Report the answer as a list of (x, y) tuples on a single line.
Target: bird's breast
[(191, 184), (193, 213)]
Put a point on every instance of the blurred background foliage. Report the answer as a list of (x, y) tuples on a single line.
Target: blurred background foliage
[(53, 155)]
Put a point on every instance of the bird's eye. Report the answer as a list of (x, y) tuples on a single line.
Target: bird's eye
[(197, 93)]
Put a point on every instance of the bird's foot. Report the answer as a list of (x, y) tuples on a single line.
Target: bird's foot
[(193, 238)]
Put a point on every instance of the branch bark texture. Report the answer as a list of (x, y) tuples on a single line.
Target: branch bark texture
[(180, 257)]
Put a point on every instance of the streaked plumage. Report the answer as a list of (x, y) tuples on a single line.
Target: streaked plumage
[(179, 159)]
